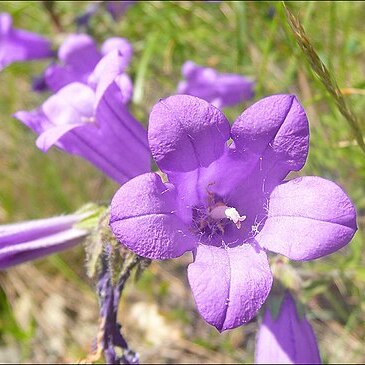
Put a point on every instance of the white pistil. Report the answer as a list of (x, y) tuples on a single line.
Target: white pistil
[(233, 215), (222, 211)]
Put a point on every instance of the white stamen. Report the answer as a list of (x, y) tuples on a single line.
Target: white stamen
[(222, 211)]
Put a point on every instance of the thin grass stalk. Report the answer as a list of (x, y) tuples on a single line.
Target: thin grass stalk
[(321, 71)]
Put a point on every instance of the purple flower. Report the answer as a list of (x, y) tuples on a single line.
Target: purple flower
[(24, 241), (118, 8), (84, 19), (79, 55), (19, 45), (220, 89), (115, 8), (228, 203), (92, 121), (287, 339)]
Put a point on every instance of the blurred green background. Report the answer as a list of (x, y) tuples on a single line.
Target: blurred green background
[(48, 311)]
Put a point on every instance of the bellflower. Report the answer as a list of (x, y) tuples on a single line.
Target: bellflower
[(20, 45), (220, 89), (228, 202), (79, 55), (118, 8), (115, 8), (84, 19), (91, 120), (287, 339), (24, 241)]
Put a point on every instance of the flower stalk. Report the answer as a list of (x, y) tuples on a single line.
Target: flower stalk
[(112, 265), (111, 340)]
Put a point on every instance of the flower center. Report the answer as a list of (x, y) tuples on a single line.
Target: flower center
[(212, 222), (221, 211)]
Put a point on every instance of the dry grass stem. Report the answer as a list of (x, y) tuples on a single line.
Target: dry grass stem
[(324, 75)]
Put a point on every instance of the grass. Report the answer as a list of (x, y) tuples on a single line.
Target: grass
[(252, 38)]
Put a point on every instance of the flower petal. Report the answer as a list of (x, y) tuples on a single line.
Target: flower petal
[(308, 217), (220, 89), (145, 202), (274, 131), (288, 339), (182, 86), (123, 131), (186, 133), (79, 51), (118, 8), (6, 23), (233, 89), (31, 45), (78, 55), (20, 45), (56, 77), (73, 104), (51, 136), (26, 231), (122, 45), (21, 252), (126, 87), (201, 82), (229, 284), (34, 119), (88, 141), (105, 72), (189, 69)]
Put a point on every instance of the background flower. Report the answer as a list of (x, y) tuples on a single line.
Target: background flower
[(220, 89), (287, 338), (92, 121), (18, 45), (118, 8), (24, 241), (78, 56)]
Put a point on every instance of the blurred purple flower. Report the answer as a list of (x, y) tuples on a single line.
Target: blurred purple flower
[(220, 89), (287, 339), (39, 83), (20, 45), (91, 120), (24, 241), (115, 8), (118, 8), (84, 19), (229, 204), (79, 55)]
